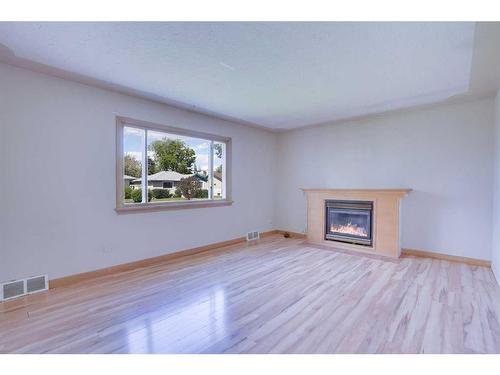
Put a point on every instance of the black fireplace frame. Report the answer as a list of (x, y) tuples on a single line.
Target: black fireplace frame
[(345, 206)]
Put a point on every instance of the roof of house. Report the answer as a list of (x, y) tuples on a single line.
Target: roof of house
[(127, 177), (165, 176)]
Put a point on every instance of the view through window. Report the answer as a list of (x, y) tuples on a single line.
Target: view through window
[(162, 167)]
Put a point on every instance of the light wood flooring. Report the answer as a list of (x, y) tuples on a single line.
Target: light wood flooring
[(276, 296)]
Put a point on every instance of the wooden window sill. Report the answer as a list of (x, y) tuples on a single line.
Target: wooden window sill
[(149, 207)]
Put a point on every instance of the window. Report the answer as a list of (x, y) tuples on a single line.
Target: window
[(161, 167)]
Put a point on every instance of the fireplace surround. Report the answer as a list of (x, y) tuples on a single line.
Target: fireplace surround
[(349, 221), (377, 233)]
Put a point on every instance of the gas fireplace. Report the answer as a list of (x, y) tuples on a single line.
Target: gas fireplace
[(349, 221)]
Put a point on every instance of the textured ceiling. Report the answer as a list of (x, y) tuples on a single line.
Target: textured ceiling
[(277, 75)]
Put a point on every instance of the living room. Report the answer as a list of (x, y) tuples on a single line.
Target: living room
[(250, 187)]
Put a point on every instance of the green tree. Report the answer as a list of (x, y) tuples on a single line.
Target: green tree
[(218, 153), (152, 169), (128, 192), (137, 195), (174, 155), (132, 166), (189, 187), (218, 150)]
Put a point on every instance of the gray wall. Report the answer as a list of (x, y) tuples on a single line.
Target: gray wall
[(51, 128), (444, 153)]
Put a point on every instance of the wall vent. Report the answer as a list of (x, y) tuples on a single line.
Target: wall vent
[(19, 288), (12, 289), (36, 284), (252, 236)]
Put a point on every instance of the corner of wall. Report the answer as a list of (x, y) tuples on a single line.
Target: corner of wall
[(275, 182), (495, 251), (496, 273)]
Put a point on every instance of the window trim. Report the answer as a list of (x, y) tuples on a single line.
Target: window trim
[(120, 207)]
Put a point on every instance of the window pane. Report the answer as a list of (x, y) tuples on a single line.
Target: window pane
[(133, 146), (177, 167), (219, 171)]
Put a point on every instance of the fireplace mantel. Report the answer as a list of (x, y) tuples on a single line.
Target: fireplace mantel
[(401, 192), (386, 218)]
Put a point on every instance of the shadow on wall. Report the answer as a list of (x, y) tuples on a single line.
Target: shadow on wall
[(426, 221)]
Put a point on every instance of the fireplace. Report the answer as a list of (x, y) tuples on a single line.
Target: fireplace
[(349, 221)]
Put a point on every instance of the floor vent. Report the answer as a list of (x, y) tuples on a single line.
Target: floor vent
[(19, 288), (252, 236)]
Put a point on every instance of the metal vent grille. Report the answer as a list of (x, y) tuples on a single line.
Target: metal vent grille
[(19, 288), (36, 284), (252, 236), (13, 289)]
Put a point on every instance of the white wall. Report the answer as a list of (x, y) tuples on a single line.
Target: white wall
[(495, 255), (52, 128), (444, 153)]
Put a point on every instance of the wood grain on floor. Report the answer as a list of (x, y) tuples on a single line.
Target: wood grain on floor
[(276, 296)]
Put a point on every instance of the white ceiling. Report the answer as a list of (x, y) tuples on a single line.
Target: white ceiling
[(278, 75)]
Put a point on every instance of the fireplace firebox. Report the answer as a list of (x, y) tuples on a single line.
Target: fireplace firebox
[(349, 221)]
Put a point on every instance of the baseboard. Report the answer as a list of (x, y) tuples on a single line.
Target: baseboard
[(72, 279), (292, 234), (451, 258)]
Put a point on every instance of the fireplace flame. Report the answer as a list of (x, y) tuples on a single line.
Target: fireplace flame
[(349, 229)]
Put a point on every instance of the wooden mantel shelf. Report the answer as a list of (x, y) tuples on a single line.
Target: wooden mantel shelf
[(402, 192), (386, 218)]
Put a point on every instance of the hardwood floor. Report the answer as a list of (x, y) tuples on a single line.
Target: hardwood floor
[(277, 296)]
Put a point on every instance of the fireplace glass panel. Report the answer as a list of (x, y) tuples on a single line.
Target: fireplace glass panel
[(349, 221)]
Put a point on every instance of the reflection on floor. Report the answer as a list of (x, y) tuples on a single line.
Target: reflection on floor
[(276, 296), (197, 323)]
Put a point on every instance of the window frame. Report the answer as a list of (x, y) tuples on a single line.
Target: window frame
[(121, 207)]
